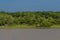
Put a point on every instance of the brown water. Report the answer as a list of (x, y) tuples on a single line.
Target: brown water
[(29, 34)]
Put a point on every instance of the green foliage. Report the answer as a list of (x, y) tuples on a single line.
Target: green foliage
[(6, 19), (39, 19)]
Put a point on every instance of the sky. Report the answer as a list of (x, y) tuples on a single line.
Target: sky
[(29, 5)]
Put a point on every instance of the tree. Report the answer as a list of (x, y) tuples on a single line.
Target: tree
[(6, 19)]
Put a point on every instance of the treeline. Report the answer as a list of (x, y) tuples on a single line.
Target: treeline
[(38, 18)]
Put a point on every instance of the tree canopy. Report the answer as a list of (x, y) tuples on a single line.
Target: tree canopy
[(39, 19)]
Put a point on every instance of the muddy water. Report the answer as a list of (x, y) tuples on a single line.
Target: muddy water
[(29, 34)]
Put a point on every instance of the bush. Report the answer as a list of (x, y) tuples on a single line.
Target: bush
[(6, 19), (39, 19)]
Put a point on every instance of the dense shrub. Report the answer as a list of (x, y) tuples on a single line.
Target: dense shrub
[(6, 19), (39, 19)]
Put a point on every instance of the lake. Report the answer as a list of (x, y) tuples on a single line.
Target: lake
[(29, 34)]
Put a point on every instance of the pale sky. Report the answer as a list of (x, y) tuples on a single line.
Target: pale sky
[(29, 5)]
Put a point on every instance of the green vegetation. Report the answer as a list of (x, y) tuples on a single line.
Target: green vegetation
[(38, 19), (56, 26)]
